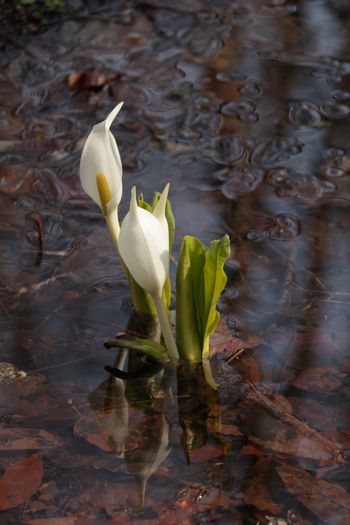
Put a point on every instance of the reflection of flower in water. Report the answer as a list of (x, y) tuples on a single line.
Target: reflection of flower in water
[(148, 446)]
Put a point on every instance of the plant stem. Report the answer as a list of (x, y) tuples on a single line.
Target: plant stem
[(206, 365), (113, 225), (166, 329)]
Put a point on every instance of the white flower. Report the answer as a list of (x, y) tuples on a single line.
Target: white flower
[(144, 244), (159, 211), (101, 166)]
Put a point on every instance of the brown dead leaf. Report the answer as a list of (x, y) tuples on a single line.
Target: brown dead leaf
[(329, 502), (247, 369), (320, 379), (223, 340), (66, 520), (277, 410), (192, 501), (287, 443), (20, 482), (92, 80), (206, 453), (256, 491), (27, 439), (230, 430), (87, 428)]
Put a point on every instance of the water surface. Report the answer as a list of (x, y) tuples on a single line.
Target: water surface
[(244, 108)]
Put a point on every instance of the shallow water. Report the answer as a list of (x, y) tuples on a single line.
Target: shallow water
[(244, 108)]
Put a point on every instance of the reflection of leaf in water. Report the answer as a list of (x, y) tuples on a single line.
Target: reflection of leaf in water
[(199, 411), (148, 447), (112, 413)]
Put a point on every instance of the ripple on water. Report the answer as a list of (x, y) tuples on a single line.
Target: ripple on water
[(250, 89), (337, 164), (235, 108), (334, 110), (52, 228), (282, 227), (227, 149), (243, 110), (289, 183), (273, 150), (201, 117), (285, 228), (340, 95), (304, 114), (241, 180)]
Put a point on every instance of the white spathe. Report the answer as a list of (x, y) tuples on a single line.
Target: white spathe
[(144, 246), (101, 155), (159, 210)]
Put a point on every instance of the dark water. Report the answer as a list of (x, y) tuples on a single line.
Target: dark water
[(244, 108)]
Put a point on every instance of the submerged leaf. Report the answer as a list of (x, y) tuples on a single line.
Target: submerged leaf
[(20, 481)]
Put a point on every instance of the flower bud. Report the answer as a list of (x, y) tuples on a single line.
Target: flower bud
[(144, 247)]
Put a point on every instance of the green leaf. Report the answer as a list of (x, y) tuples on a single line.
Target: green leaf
[(145, 346), (143, 204), (188, 283), (213, 283), (167, 294)]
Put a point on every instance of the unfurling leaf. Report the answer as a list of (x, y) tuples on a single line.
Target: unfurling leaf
[(213, 283), (188, 284), (200, 281)]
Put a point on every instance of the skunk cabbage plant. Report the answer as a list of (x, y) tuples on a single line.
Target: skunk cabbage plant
[(144, 241)]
